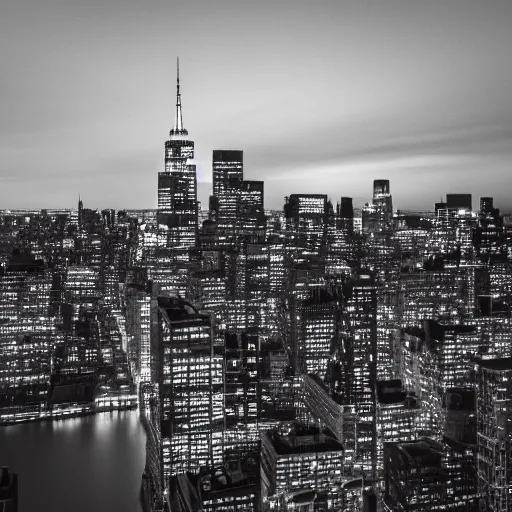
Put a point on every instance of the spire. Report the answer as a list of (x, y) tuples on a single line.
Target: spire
[(178, 119)]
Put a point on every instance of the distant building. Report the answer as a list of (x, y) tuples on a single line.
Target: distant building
[(237, 205), (306, 221), (227, 170), (319, 321), (177, 185), (377, 216), (459, 441), (241, 379), (459, 201)]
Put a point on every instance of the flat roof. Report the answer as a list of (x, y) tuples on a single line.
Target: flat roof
[(496, 364), (176, 309), (304, 439)]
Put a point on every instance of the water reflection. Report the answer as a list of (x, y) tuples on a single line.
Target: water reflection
[(81, 464)]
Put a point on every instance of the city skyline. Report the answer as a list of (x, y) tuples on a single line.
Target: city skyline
[(255, 256), (419, 93)]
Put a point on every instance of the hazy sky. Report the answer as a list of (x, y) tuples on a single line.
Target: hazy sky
[(322, 96)]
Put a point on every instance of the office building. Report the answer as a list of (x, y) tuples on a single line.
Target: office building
[(8, 491), (190, 383), (227, 170), (297, 457), (414, 478), (307, 221)]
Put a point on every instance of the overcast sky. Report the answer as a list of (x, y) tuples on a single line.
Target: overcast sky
[(322, 96)]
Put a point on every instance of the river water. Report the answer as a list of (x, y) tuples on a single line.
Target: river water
[(90, 464)]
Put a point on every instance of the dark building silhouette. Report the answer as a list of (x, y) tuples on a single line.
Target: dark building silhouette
[(459, 201), (8, 491), (413, 476)]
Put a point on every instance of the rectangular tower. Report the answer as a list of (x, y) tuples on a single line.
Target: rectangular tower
[(227, 169), (189, 376)]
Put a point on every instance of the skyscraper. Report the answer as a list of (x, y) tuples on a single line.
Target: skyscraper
[(227, 167), (189, 376), (177, 184), (237, 204), (378, 216)]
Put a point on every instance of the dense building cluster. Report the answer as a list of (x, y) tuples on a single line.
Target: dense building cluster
[(316, 358), (63, 336), (321, 357)]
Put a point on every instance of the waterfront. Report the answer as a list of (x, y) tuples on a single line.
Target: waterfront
[(92, 463)]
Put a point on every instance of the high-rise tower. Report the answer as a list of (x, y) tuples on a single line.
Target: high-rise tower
[(177, 184)]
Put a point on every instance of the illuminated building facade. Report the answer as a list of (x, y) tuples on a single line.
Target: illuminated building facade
[(277, 387), (241, 378), (489, 236), (432, 362), (494, 432), (177, 185), (27, 337), (237, 205), (459, 441), (420, 373), (252, 218), (438, 291), (254, 262), (383, 206), (397, 414), (297, 457), (138, 324), (190, 382), (81, 284), (227, 170), (317, 330), (342, 241), (233, 487), (306, 221), (340, 419)]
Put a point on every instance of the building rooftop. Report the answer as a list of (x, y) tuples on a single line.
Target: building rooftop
[(422, 453), (497, 364), (438, 331), (390, 391), (460, 399), (301, 438), (176, 309), (235, 478)]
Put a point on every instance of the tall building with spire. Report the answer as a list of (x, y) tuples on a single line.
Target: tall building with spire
[(177, 184)]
